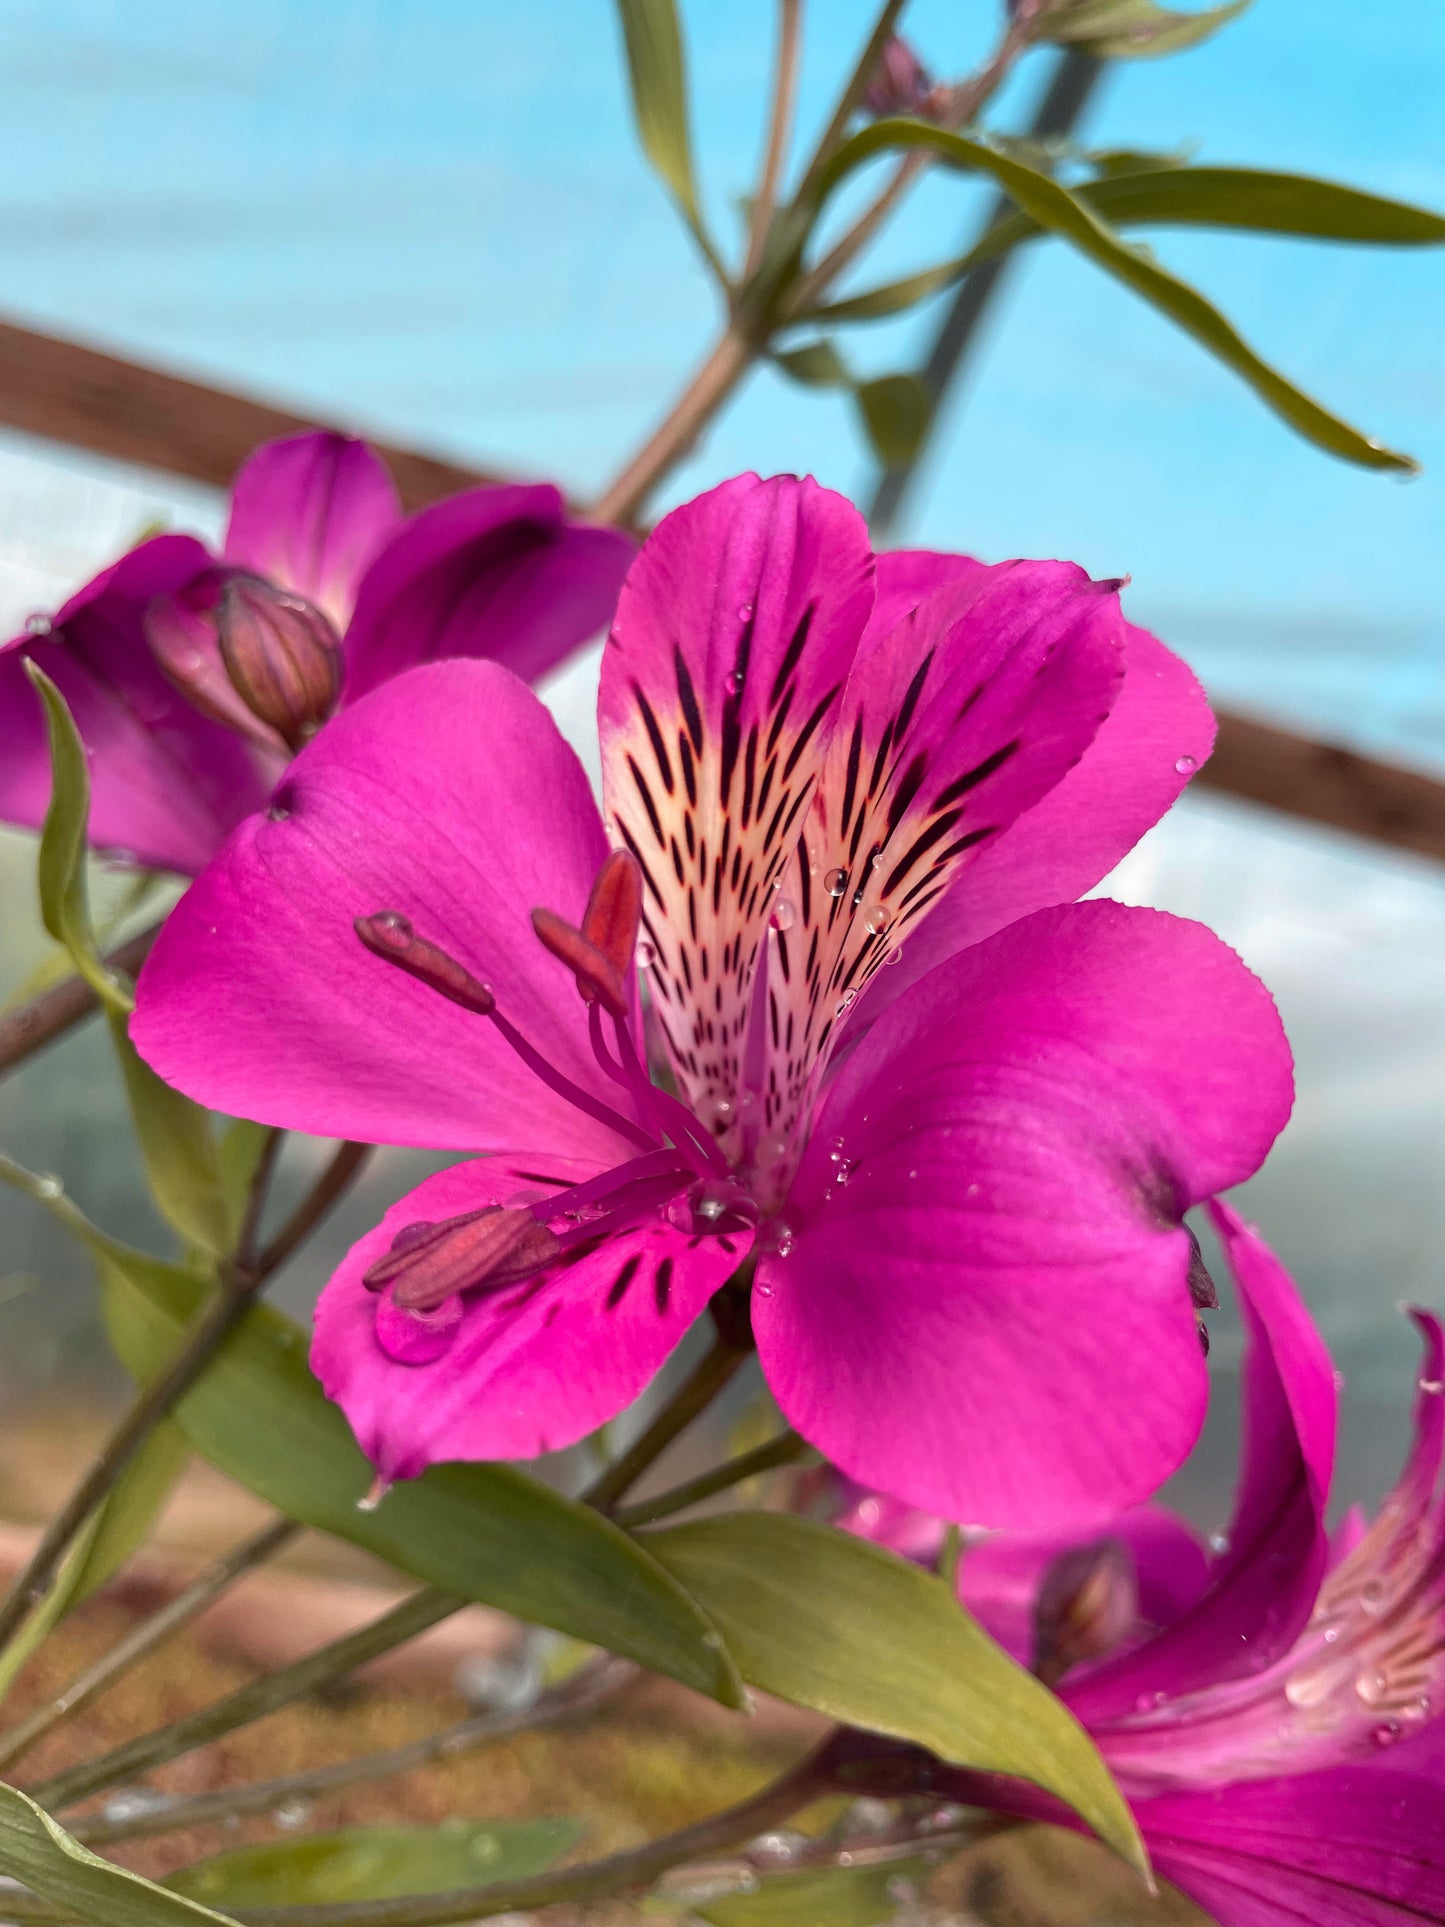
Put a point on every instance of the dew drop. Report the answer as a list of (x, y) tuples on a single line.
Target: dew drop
[(646, 955), (784, 915), (845, 1002), (1386, 1733), (836, 882), (49, 1186), (971, 1190), (1432, 1385), (777, 1849), (277, 813), (875, 862), (1417, 1709), (876, 921), (845, 1171), (895, 955), (1149, 1702), (1372, 1686), (1184, 764), (292, 1814), (130, 1802), (1219, 1544), (38, 625), (745, 613), (734, 683)]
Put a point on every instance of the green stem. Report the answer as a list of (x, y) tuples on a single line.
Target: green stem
[(780, 119), (632, 1871), (33, 1025), (788, 1449), (254, 1701), (691, 1398), (580, 1694), (146, 1637)]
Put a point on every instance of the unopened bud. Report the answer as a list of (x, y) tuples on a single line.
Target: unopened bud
[(1088, 1601), (901, 84), (282, 655)]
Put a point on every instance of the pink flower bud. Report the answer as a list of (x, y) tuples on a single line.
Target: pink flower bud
[(282, 655), (1088, 1601), (900, 83)]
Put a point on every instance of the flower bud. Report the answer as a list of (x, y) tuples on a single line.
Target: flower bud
[(901, 84), (1088, 1601), (282, 655)]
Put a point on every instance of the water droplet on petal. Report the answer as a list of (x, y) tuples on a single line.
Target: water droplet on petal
[(1432, 1385), (734, 683), (49, 1186), (836, 882), (277, 813), (1386, 1733), (1219, 1544), (895, 955), (1372, 1686), (876, 921), (784, 915), (875, 862), (38, 625), (745, 613), (845, 1002), (845, 1171), (1416, 1709), (645, 954), (1184, 764)]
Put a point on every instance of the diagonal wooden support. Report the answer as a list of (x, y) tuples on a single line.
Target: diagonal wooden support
[(63, 392)]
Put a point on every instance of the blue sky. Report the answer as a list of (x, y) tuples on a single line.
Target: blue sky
[(432, 217)]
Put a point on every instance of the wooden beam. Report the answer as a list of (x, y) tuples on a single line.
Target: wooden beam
[(66, 393), (1327, 784), (63, 392)]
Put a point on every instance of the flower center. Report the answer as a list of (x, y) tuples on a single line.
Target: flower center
[(506, 1247)]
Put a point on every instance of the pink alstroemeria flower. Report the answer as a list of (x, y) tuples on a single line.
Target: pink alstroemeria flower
[(1279, 1738), (961, 1169), (316, 541)]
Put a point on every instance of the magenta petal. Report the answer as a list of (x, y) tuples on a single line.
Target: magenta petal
[(1264, 1588), (495, 572), (735, 631), (529, 1368), (1360, 1846), (905, 577), (167, 783), (991, 1318), (447, 795), (1157, 734), (310, 513)]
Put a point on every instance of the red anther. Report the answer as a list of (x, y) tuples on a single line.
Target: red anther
[(388, 934), (600, 953), (430, 1263)]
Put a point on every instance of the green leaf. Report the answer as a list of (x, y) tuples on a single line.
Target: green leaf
[(816, 1897), (895, 411), (117, 1529), (378, 1863), (658, 77), (833, 1623), (816, 364), (1130, 29), (1069, 215), (482, 1532), (38, 1851), (1157, 193), (178, 1144), (60, 871)]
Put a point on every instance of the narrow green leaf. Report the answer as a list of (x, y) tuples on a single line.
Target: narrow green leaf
[(483, 1532), (895, 412), (816, 1897), (1233, 199), (38, 1851), (117, 1529), (816, 364), (60, 869), (178, 1144), (1067, 214), (657, 73), (1130, 29), (833, 1623), (378, 1863)]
